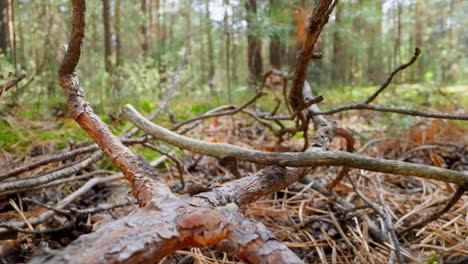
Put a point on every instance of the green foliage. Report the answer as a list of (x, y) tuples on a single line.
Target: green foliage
[(434, 259)]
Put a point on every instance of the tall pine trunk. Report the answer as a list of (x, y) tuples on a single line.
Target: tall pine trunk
[(107, 35), (254, 44), (4, 26)]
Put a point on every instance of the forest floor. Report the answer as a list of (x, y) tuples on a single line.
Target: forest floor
[(313, 224)]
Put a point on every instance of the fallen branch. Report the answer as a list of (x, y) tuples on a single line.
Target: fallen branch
[(365, 105), (64, 156), (436, 215), (295, 159), (64, 202), (25, 185), (167, 222), (6, 86)]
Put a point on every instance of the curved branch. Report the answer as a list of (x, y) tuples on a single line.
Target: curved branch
[(6, 86), (417, 52), (166, 223), (363, 106), (295, 159), (317, 21)]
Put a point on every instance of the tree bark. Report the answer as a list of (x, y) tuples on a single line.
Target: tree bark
[(118, 45), (209, 36), (144, 30), (254, 44), (106, 16), (4, 26), (227, 49), (275, 42), (339, 58)]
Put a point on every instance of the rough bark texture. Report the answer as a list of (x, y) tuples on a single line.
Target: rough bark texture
[(3, 26), (313, 29), (254, 44), (318, 157), (107, 35), (166, 222), (118, 45), (144, 30)]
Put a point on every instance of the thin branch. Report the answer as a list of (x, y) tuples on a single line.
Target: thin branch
[(65, 156), (366, 104), (37, 232), (176, 161), (295, 159), (362, 106), (24, 185), (64, 202), (6, 86), (436, 215), (314, 27), (387, 220), (164, 103), (417, 52), (215, 114), (74, 211)]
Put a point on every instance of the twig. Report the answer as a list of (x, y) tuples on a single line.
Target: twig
[(215, 114), (417, 52), (74, 211), (385, 217), (24, 185), (374, 230), (307, 159), (176, 161), (163, 104), (363, 106), (64, 202), (65, 156), (37, 232), (434, 216), (6, 86)]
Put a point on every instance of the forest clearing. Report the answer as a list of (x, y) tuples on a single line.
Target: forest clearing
[(233, 131)]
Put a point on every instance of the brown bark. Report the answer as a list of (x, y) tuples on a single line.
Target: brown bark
[(275, 42), (227, 50), (107, 35), (254, 44), (314, 27), (118, 45), (144, 30), (374, 65), (167, 222), (209, 36), (3, 26), (339, 59)]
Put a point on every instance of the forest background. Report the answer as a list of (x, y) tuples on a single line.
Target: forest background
[(215, 53), (134, 47)]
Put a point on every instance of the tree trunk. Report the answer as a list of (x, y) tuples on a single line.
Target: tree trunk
[(209, 36), (374, 65), (12, 36), (254, 44), (118, 51), (4, 26), (419, 31), (107, 35), (144, 30), (227, 49), (275, 43), (339, 59)]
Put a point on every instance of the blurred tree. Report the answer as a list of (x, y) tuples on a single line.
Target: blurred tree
[(254, 44), (106, 16), (3, 26)]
